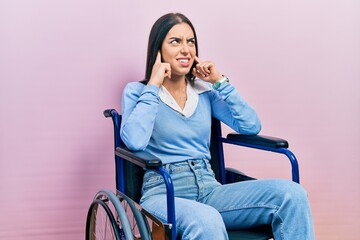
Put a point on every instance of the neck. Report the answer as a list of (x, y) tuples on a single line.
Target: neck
[(177, 88), (175, 84)]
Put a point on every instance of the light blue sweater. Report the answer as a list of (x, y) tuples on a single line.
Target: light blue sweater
[(149, 124)]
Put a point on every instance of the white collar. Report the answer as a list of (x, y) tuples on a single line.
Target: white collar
[(193, 89)]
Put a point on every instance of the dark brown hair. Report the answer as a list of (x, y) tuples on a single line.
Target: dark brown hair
[(157, 35)]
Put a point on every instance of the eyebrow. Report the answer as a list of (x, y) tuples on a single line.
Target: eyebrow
[(178, 38)]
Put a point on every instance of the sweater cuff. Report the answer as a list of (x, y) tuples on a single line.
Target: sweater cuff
[(226, 87), (150, 93), (151, 88)]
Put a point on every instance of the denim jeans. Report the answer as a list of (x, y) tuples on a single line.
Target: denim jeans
[(205, 208)]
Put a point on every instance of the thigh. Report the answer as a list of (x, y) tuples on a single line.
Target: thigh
[(250, 203), (193, 219)]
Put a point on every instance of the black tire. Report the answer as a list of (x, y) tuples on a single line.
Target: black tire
[(115, 212), (100, 222)]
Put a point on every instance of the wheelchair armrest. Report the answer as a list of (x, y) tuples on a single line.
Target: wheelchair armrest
[(109, 112), (140, 158), (258, 140), (234, 175)]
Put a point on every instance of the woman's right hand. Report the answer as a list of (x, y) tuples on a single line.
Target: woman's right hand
[(159, 71)]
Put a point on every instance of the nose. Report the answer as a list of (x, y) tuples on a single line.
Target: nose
[(184, 48)]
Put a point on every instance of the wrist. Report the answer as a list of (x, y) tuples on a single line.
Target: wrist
[(218, 78), (219, 82), (153, 82)]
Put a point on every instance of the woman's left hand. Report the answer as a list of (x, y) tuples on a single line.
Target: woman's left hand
[(206, 71)]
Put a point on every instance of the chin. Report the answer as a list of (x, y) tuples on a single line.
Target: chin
[(180, 73)]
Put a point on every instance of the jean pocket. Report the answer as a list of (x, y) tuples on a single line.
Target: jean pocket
[(152, 179), (178, 169)]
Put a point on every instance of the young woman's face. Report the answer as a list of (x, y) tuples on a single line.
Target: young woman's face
[(178, 49)]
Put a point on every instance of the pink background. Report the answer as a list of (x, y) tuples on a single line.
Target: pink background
[(62, 62)]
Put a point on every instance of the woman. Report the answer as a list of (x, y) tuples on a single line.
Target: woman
[(169, 115)]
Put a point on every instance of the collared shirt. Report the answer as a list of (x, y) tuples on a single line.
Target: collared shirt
[(193, 89)]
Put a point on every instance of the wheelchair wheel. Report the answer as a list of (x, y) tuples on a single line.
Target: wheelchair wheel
[(139, 224), (100, 223)]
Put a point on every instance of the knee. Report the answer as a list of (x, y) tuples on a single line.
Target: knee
[(295, 192), (293, 195)]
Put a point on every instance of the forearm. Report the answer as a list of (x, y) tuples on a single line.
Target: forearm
[(139, 112), (236, 112)]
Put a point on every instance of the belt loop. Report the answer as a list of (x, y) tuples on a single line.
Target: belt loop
[(167, 167), (207, 163)]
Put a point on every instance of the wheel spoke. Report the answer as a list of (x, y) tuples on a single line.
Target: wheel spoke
[(101, 224)]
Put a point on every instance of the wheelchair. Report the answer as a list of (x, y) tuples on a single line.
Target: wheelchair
[(119, 216)]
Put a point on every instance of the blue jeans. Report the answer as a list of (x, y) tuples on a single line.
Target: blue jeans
[(205, 208)]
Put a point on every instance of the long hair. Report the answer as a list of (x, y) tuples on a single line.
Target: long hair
[(157, 35)]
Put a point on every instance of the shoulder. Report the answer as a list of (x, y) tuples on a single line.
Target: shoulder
[(134, 90), (133, 87)]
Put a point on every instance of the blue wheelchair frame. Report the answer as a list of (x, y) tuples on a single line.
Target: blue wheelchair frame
[(148, 161)]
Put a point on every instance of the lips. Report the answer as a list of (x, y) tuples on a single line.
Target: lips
[(185, 62)]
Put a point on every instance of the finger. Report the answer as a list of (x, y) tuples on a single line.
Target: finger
[(158, 57), (207, 68), (167, 72), (194, 71), (197, 60), (203, 69), (198, 73)]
